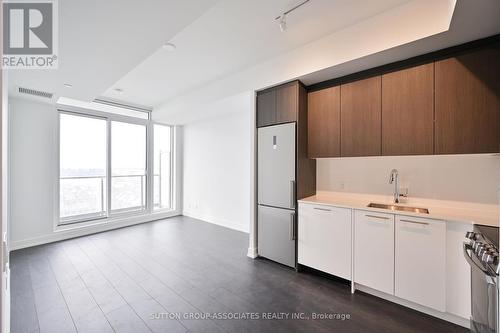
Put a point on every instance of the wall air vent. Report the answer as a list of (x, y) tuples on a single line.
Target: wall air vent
[(34, 92)]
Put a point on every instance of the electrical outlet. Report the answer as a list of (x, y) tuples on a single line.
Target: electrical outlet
[(405, 191)]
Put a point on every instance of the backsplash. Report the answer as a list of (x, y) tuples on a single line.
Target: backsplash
[(472, 178)]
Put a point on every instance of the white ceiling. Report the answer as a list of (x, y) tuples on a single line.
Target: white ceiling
[(233, 35), (100, 41)]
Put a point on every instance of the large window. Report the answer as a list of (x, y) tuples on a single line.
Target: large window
[(128, 166), (82, 167), (109, 167)]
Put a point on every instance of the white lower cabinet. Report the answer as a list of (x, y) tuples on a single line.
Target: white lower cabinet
[(374, 250), (324, 239), (420, 261), (415, 259)]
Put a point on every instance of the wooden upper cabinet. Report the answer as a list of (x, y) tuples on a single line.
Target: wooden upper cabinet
[(468, 103), (266, 108), (278, 105), (361, 117), (324, 123), (287, 102), (408, 111)]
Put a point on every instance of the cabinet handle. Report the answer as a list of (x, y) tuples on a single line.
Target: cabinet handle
[(415, 222), (323, 209), (378, 217)]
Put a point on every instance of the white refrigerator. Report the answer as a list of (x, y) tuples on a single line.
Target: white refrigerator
[(276, 193)]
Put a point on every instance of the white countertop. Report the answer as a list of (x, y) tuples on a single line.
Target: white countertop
[(455, 211)]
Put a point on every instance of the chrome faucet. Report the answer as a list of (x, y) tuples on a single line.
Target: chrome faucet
[(394, 178)]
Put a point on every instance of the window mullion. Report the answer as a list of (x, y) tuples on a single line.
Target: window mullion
[(149, 168), (108, 168), (172, 167)]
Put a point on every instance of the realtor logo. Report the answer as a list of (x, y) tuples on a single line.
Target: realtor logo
[(30, 34)]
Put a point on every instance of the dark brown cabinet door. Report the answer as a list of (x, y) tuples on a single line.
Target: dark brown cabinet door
[(468, 103), (360, 117), (287, 102), (324, 123), (266, 108), (408, 111)]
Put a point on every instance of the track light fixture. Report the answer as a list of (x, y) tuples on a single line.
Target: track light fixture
[(282, 18), (283, 22)]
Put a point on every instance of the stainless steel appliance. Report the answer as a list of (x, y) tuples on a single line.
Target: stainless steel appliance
[(481, 252), (276, 193)]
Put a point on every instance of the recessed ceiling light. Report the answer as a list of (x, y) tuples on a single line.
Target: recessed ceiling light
[(169, 46), (119, 90), (68, 85)]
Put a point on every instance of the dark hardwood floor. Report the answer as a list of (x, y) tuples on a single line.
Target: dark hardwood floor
[(152, 277)]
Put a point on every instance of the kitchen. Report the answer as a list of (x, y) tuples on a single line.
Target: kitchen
[(407, 248)]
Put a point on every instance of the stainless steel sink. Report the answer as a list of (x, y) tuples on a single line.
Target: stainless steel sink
[(400, 208)]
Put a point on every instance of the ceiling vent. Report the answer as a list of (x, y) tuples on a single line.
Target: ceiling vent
[(34, 92)]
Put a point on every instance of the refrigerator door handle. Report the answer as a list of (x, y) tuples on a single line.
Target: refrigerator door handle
[(293, 231), (292, 193)]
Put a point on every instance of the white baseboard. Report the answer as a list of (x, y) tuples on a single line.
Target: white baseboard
[(252, 252), (217, 221), (60, 235), (438, 314)]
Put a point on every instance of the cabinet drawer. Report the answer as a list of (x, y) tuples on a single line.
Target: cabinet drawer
[(420, 261), (325, 239), (374, 250)]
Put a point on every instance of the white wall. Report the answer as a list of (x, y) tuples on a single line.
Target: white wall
[(217, 184), (33, 167), (473, 178)]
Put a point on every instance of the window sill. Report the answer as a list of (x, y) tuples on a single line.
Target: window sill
[(115, 221)]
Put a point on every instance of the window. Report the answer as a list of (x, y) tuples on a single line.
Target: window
[(128, 166), (108, 167), (162, 162), (82, 167)]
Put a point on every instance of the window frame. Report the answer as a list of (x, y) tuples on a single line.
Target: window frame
[(81, 221), (172, 168)]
